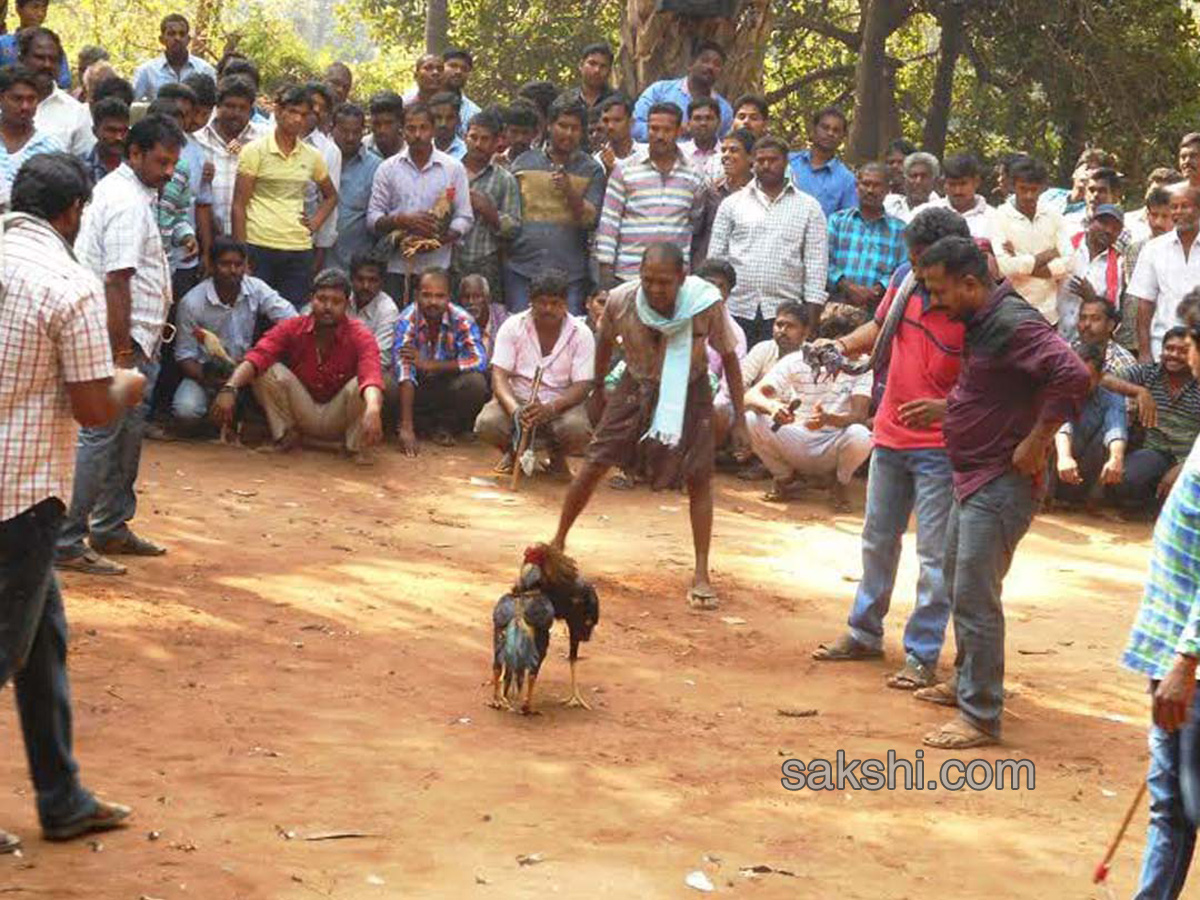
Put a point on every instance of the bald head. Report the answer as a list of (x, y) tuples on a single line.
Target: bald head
[(668, 254)]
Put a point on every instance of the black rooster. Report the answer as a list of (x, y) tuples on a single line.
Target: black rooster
[(549, 588)]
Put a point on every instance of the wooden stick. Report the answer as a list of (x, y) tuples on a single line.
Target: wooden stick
[(527, 434), (1101, 872)]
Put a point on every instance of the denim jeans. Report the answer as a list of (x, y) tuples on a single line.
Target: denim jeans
[(899, 481), (516, 293), (1144, 469), (1174, 785), (981, 539), (33, 652), (106, 468), (288, 271)]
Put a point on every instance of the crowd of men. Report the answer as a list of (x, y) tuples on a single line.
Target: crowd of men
[(657, 283)]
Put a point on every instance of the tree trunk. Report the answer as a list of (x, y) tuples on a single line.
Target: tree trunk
[(876, 118), (950, 47), (437, 25), (658, 45)]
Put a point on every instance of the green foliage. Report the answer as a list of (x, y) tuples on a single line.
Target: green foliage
[(513, 41)]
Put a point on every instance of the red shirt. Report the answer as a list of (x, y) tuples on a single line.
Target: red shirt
[(293, 342), (925, 360)]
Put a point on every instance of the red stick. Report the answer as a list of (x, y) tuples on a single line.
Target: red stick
[(1101, 872)]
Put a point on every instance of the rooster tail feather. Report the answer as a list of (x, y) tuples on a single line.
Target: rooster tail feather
[(520, 654)]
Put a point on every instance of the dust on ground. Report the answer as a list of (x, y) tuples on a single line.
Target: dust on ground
[(313, 656)]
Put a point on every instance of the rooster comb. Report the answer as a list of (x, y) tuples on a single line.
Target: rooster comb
[(535, 555)]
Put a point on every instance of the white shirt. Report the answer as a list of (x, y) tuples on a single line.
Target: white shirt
[(896, 205), (779, 248), (1137, 225), (1029, 238), (637, 151), (326, 235), (980, 217), (1162, 276), (66, 120), (52, 333), (119, 231), (792, 379), (1095, 272), (380, 316)]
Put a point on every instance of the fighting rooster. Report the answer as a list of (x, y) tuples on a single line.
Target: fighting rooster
[(409, 244), (549, 588)]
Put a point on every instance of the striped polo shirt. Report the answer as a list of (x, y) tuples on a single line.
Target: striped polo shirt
[(1178, 417), (277, 201), (642, 207)]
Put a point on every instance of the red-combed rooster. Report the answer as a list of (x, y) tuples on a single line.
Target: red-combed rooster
[(410, 245), (549, 588)]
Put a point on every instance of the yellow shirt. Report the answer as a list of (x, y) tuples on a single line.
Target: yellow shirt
[(277, 202)]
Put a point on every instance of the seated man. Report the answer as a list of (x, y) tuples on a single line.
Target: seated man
[(228, 305), (439, 363), (1090, 450), (378, 312), (475, 296), (317, 376), (799, 426), (542, 338), (1152, 469)]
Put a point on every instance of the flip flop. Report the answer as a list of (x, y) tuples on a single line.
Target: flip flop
[(845, 649), (943, 693), (911, 677), (702, 598), (959, 735)]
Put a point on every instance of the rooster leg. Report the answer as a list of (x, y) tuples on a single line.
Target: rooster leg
[(498, 700), (575, 699), (527, 704)]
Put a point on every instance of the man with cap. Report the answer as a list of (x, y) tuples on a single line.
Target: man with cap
[(1094, 269)]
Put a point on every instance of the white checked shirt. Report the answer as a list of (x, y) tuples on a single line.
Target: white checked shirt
[(779, 248), (1162, 275), (224, 157), (119, 231), (52, 332)]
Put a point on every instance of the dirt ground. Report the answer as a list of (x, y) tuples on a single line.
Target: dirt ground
[(313, 654)]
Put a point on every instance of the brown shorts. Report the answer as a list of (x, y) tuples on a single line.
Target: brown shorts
[(627, 415)]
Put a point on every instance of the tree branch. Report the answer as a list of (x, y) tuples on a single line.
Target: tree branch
[(816, 75), (851, 39)]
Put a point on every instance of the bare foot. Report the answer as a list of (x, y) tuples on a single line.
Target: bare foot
[(289, 442)]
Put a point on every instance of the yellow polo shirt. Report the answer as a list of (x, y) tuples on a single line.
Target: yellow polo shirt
[(277, 202)]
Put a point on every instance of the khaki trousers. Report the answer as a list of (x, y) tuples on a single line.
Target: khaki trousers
[(289, 405)]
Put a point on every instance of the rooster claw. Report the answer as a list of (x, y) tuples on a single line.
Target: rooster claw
[(576, 702)]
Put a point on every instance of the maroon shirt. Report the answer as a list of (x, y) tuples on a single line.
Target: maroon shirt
[(293, 342), (1016, 372)]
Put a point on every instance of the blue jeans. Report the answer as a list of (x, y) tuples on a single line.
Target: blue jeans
[(981, 539), (516, 293), (288, 271), (33, 652), (900, 480), (1174, 785), (106, 468)]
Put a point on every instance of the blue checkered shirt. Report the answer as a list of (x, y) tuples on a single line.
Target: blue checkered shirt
[(1168, 621), (864, 252)]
